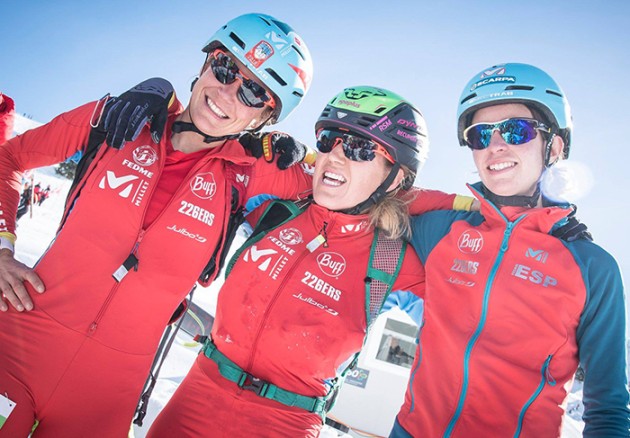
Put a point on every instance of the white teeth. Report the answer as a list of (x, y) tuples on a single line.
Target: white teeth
[(501, 166), (216, 109), (333, 179)]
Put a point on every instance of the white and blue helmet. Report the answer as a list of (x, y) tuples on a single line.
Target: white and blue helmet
[(274, 52), (516, 83)]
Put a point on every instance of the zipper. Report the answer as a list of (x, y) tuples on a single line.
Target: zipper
[(480, 326), (131, 262), (546, 377), (278, 293), (415, 370)]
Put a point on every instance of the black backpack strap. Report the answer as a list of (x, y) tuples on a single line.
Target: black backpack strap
[(160, 356), (88, 154), (573, 229)]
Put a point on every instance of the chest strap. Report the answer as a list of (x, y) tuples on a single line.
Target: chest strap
[(244, 380)]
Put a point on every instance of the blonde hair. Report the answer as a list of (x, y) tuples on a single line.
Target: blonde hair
[(391, 214)]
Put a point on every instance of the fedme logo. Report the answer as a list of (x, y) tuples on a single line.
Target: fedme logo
[(331, 263)]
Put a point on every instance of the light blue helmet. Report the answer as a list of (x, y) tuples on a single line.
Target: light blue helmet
[(516, 83), (274, 52)]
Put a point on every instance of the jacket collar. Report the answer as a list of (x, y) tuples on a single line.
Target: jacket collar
[(539, 218)]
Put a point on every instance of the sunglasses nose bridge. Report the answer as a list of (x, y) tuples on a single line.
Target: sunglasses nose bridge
[(496, 139), (337, 152)]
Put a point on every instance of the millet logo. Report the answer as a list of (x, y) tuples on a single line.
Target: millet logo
[(115, 182), (255, 254)]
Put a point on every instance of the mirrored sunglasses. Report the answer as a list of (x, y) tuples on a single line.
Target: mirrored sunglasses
[(355, 148), (250, 93), (514, 131)]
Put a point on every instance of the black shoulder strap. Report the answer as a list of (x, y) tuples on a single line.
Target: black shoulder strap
[(95, 140), (573, 229)]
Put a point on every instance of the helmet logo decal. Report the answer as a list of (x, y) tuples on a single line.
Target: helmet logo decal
[(407, 123), (382, 124), (259, 53), (304, 76), (493, 72), (277, 41), (492, 80), (341, 115), (353, 94)]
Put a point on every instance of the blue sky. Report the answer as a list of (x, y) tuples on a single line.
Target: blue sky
[(58, 55)]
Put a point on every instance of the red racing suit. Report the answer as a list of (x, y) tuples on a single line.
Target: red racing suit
[(288, 315), (78, 361), (510, 312)]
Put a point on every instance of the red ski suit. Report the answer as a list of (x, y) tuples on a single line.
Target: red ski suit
[(78, 361), (288, 316)]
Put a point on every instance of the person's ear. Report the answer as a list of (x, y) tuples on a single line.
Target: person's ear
[(397, 181)]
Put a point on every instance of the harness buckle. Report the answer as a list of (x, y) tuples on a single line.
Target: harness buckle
[(254, 384)]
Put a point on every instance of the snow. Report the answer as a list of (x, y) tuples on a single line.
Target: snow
[(34, 236)]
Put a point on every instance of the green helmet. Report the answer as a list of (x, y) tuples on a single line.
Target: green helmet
[(384, 117)]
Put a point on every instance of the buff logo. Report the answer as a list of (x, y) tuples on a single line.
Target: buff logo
[(331, 263), (204, 185), (470, 242), (144, 155), (492, 80)]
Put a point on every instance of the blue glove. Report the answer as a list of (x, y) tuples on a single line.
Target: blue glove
[(125, 116), (288, 150)]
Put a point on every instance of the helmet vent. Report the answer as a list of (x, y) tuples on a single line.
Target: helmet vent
[(268, 23), (380, 110), (283, 26), (298, 94), (470, 96), (519, 87), (298, 52), (276, 76), (555, 93), (365, 121), (237, 40)]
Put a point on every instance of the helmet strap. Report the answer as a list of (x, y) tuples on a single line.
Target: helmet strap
[(377, 195), (548, 147), (512, 201), (188, 126)]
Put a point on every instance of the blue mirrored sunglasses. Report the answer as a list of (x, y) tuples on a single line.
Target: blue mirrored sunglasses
[(513, 131)]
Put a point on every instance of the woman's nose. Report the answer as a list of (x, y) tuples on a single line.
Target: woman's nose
[(496, 141)]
